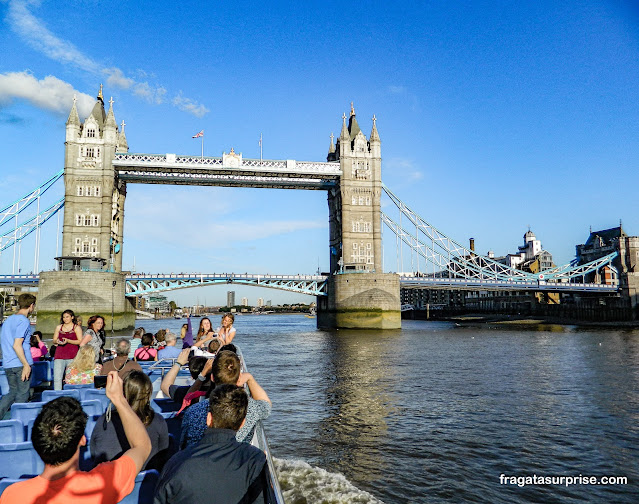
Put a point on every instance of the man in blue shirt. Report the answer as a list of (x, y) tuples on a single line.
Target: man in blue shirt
[(16, 354), (170, 351)]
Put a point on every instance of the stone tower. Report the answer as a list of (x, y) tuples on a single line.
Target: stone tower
[(89, 279), (360, 294), (94, 198)]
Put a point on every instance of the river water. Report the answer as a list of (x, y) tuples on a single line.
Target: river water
[(436, 412)]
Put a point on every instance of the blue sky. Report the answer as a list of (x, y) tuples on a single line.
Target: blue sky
[(493, 116)]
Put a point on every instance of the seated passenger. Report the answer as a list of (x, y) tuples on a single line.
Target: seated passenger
[(219, 469), (108, 441), (226, 371), (159, 340), (58, 434), (226, 332), (38, 348), (121, 362), (83, 367), (176, 392), (146, 352), (170, 351), (136, 341), (211, 350)]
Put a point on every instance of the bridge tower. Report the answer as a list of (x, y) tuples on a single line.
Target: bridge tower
[(89, 279), (360, 295)]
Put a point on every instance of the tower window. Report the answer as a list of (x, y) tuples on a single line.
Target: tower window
[(80, 191), (91, 133), (97, 190), (90, 152)]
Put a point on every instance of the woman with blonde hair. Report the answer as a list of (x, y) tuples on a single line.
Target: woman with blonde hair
[(109, 443), (83, 367), (226, 332)]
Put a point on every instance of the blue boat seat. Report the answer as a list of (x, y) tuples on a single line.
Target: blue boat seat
[(80, 386), (92, 407), (96, 394), (19, 459), (26, 411), (144, 490), (11, 431), (49, 395)]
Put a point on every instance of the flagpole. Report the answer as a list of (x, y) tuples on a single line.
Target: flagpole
[(260, 148), (202, 146)]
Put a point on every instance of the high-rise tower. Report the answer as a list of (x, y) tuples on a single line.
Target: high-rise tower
[(94, 198), (360, 294)]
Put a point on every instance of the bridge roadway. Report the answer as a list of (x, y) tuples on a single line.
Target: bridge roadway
[(314, 285), (228, 171)]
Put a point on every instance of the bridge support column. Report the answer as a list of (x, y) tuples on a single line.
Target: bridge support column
[(360, 301), (86, 293)]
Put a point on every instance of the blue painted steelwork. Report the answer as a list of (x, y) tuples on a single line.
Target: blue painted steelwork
[(24, 229), (27, 200), (455, 262), (411, 281), (138, 284)]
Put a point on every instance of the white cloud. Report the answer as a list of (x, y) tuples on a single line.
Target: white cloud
[(38, 36), (188, 105), (403, 167), (396, 90), (154, 215), (49, 93), (116, 78)]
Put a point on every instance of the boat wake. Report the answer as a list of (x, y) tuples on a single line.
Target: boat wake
[(305, 484)]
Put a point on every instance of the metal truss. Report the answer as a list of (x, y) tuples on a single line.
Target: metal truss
[(238, 172), (410, 281), (140, 283), (454, 261), (21, 231), (21, 204)]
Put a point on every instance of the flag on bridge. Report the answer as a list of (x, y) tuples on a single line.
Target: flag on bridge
[(198, 135)]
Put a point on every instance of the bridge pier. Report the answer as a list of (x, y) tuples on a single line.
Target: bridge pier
[(360, 301), (86, 293)]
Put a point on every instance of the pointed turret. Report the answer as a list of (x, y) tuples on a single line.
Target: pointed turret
[(353, 127), (332, 156), (375, 143), (122, 145), (73, 122), (110, 126), (98, 112), (374, 134)]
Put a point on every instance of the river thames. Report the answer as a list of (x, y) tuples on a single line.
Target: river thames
[(437, 412)]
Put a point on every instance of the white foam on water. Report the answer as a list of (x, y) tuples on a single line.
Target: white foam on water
[(302, 483)]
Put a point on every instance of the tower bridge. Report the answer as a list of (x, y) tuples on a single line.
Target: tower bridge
[(355, 292)]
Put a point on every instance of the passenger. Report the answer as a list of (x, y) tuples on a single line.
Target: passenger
[(226, 332), (219, 467), (58, 434), (136, 340), (146, 352), (177, 392), (160, 339), (67, 336), (205, 333), (187, 333), (209, 353), (92, 335), (121, 363), (38, 348), (83, 368), (226, 371), (17, 359), (170, 351), (108, 441), (79, 320)]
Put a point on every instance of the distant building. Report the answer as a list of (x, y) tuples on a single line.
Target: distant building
[(530, 257), (244, 301), (157, 302), (230, 299), (269, 303), (260, 302)]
